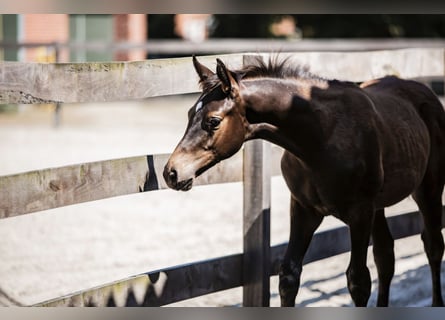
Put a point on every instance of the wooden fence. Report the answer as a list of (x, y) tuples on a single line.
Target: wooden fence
[(34, 191), (169, 47)]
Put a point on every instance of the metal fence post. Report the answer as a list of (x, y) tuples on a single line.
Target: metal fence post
[(256, 224)]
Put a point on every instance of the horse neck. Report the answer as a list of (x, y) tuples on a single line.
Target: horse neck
[(281, 112)]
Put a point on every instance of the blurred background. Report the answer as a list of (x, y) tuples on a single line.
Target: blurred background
[(79, 37), (59, 251)]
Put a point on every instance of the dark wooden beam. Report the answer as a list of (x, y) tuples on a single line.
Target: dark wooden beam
[(256, 224), (169, 285)]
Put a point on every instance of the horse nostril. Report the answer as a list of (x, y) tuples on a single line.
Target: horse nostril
[(170, 176), (173, 176)]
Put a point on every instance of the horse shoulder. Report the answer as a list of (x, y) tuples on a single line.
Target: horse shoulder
[(352, 155)]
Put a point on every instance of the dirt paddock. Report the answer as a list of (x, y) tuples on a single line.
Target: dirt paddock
[(60, 251)]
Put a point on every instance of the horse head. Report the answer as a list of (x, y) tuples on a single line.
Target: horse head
[(216, 127)]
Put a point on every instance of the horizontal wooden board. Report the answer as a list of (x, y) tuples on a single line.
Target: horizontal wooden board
[(117, 81), (101, 81), (236, 45), (162, 287), (278, 45), (56, 187), (128, 292), (51, 188), (178, 283), (361, 66)]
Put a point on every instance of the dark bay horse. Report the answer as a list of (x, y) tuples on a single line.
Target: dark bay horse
[(350, 151)]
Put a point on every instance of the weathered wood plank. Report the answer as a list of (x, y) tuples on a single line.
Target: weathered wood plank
[(178, 283), (51, 188), (56, 187), (361, 66), (162, 287), (236, 45), (275, 153), (256, 224), (104, 81), (197, 279), (128, 292), (116, 81)]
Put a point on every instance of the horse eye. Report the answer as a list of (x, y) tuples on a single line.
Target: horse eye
[(214, 122)]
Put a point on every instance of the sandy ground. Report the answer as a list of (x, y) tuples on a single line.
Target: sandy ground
[(60, 251)]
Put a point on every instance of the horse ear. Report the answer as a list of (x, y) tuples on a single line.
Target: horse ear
[(228, 79), (203, 72)]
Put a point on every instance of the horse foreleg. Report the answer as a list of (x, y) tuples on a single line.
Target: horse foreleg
[(303, 224), (360, 221), (383, 249)]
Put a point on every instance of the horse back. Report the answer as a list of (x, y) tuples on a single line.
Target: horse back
[(411, 95), (414, 95)]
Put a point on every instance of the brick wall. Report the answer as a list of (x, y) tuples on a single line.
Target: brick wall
[(45, 28), (131, 28)]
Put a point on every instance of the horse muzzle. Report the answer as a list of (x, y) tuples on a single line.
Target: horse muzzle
[(171, 178)]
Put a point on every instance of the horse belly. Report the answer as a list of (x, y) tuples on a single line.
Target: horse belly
[(397, 187), (404, 163)]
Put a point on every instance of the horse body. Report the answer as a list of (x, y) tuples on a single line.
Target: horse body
[(365, 145), (350, 151), (380, 145)]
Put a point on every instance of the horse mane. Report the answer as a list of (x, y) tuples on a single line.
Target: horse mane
[(275, 67)]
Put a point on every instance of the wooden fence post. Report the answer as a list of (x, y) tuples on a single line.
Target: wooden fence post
[(58, 105), (256, 224)]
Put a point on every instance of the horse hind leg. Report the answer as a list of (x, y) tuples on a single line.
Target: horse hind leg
[(430, 205), (303, 224), (383, 249), (428, 195)]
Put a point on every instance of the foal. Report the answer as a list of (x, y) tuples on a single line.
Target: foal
[(350, 151)]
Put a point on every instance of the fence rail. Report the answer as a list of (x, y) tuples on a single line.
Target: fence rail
[(117, 81), (234, 45), (87, 82), (166, 286)]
